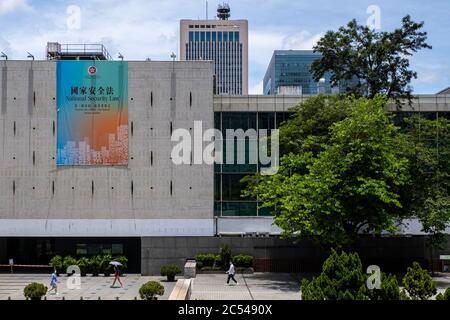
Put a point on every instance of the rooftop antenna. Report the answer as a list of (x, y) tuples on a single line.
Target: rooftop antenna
[(223, 11), (206, 9), (120, 56), (3, 55), (30, 56)]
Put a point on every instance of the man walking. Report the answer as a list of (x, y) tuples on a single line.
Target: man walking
[(231, 272)]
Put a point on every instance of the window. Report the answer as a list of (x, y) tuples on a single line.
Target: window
[(225, 36), (202, 36), (208, 36), (191, 36), (230, 36), (219, 36), (214, 34), (197, 36), (236, 36)]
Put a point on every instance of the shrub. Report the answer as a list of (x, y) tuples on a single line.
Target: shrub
[(207, 260), (341, 279), (95, 264), (150, 290), (123, 260), (225, 255), (105, 267), (57, 263), (445, 296), (69, 261), (418, 283), (35, 291), (389, 289), (170, 271), (244, 261), (84, 264)]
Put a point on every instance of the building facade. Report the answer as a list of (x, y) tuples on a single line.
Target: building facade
[(223, 41), (151, 210)]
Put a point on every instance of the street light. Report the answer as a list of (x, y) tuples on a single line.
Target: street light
[(3, 55), (120, 56), (30, 56), (173, 56)]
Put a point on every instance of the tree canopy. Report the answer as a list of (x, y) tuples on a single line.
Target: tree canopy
[(337, 181), (379, 60)]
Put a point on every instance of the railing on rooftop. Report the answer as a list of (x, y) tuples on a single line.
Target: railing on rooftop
[(56, 49)]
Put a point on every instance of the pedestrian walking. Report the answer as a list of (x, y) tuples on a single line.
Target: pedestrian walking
[(231, 272), (54, 282), (117, 276)]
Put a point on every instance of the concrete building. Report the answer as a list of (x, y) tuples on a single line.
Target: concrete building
[(223, 41), (150, 210)]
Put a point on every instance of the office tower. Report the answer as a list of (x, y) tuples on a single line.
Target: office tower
[(223, 41), (289, 72)]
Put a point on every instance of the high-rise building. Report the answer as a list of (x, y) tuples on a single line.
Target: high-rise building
[(289, 73), (223, 41)]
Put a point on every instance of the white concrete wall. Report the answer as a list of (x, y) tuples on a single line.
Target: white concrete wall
[(72, 209)]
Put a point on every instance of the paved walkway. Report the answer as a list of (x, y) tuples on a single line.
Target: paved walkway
[(91, 287), (257, 286)]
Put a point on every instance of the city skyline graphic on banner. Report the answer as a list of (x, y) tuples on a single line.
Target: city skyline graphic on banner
[(92, 113)]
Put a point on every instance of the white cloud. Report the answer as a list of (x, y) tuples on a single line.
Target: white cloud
[(7, 6), (302, 40), (257, 89)]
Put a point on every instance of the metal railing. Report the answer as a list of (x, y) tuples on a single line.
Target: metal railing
[(78, 49)]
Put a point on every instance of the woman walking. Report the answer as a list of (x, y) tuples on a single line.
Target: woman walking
[(116, 276)]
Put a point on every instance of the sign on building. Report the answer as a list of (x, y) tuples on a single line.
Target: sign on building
[(92, 113)]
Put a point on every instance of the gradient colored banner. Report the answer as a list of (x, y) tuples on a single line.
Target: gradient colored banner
[(92, 102)]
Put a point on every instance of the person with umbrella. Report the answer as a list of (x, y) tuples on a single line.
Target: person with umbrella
[(116, 265)]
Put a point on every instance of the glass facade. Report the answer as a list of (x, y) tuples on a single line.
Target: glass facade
[(228, 177), (289, 72), (228, 185)]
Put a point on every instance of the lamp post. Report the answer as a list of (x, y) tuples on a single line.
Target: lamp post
[(3, 55)]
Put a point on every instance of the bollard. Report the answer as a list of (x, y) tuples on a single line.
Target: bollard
[(81, 298), (117, 298), (9, 298), (135, 298), (45, 298), (99, 298), (64, 298)]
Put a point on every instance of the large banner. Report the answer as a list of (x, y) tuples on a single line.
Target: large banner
[(92, 102)]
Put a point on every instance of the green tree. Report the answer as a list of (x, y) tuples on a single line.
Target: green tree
[(341, 278), (427, 194), (342, 181), (445, 296), (380, 60), (418, 283), (389, 289)]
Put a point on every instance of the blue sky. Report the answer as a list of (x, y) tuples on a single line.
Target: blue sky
[(147, 28)]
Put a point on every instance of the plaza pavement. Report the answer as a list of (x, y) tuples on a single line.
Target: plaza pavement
[(11, 285), (256, 286)]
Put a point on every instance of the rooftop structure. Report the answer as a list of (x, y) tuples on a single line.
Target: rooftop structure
[(58, 51)]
